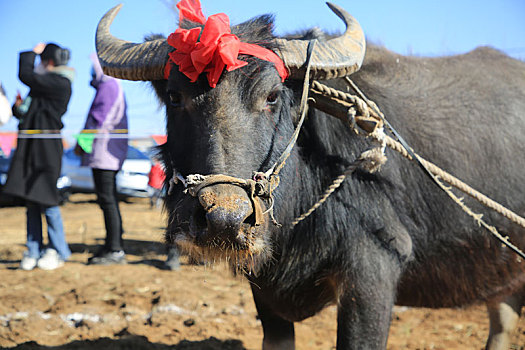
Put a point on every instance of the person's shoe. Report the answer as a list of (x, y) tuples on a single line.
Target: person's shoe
[(50, 260), (172, 261), (108, 258), (28, 263)]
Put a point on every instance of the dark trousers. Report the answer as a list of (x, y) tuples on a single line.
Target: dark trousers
[(106, 190)]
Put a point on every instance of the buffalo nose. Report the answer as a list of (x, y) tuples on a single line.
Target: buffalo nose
[(226, 208)]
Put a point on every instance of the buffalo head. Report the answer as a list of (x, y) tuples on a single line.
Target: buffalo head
[(240, 126)]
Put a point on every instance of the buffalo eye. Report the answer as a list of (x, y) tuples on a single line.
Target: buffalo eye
[(175, 99), (272, 98)]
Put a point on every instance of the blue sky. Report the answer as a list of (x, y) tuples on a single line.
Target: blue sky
[(426, 28)]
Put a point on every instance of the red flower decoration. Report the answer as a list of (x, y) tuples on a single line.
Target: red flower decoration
[(217, 48)]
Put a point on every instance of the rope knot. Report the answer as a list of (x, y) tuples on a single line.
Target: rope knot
[(262, 184), (372, 160)]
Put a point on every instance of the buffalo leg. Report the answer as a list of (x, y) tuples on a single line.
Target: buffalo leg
[(365, 308), (504, 316), (278, 333)]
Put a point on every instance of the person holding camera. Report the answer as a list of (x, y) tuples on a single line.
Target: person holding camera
[(37, 160)]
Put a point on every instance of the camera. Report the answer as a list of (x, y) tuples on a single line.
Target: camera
[(61, 57)]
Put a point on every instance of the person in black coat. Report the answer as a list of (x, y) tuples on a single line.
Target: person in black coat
[(37, 161)]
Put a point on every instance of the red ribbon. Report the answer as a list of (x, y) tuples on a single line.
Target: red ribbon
[(216, 50), (191, 10)]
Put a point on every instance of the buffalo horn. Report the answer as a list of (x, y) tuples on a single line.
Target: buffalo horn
[(331, 59), (125, 60)]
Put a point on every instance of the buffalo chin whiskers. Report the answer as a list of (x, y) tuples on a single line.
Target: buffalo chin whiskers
[(245, 261)]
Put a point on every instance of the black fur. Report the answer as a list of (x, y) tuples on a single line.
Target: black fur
[(379, 239)]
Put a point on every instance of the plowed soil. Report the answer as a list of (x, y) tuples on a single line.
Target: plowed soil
[(142, 306)]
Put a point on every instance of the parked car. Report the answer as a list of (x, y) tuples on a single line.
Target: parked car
[(63, 183), (132, 179)]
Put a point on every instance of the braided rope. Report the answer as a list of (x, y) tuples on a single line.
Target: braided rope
[(334, 186), (343, 96), (460, 185)]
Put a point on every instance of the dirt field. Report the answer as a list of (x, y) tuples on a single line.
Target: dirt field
[(142, 306)]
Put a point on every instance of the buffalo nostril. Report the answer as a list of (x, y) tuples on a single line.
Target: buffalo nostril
[(228, 212), (224, 221)]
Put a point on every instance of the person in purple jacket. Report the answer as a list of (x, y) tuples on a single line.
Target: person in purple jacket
[(108, 116)]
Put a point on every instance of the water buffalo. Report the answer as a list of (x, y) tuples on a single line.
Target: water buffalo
[(391, 237)]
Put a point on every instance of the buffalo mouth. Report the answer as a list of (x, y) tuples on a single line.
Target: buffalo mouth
[(222, 227)]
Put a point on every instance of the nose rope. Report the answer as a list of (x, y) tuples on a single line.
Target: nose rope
[(262, 184), (195, 183)]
